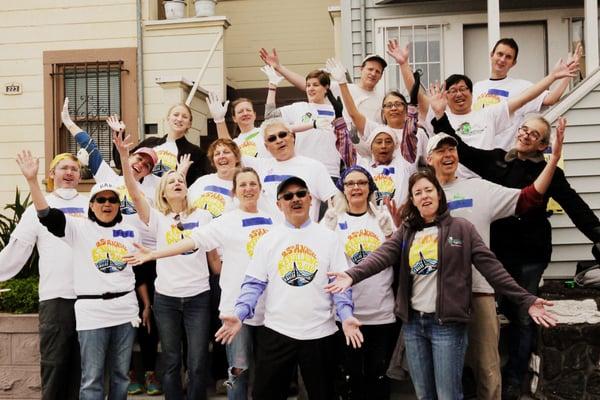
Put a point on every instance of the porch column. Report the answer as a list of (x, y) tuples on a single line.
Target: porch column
[(493, 22), (590, 34)]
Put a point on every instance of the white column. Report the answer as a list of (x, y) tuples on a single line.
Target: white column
[(493, 22), (590, 34)]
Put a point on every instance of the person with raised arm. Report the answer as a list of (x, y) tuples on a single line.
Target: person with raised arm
[(182, 289), (106, 309), (59, 349), (435, 252)]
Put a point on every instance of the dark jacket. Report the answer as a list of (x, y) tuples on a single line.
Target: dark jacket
[(198, 168), (527, 238), (459, 247)]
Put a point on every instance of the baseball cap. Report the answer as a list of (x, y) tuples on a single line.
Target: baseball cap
[(289, 181), (149, 152), (374, 57), (437, 140), (101, 187)]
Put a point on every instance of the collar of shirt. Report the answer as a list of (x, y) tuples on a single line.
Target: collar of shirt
[(304, 225)]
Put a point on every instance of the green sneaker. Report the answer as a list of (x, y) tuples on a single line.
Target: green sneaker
[(134, 386), (153, 387)]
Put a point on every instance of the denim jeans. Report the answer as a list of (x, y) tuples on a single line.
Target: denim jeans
[(113, 344), (192, 314), (435, 353), (521, 330), (239, 355)]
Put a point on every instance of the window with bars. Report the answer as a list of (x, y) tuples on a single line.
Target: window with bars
[(425, 53)]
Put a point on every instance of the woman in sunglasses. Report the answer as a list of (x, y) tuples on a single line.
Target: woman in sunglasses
[(182, 297), (236, 232), (362, 227), (106, 309)]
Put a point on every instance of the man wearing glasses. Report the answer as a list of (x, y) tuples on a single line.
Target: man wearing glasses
[(293, 260)]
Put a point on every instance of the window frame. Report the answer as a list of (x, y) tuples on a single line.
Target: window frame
[(54, 95)]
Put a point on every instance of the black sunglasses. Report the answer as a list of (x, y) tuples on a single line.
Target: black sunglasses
[(280, 135), (287, 196), (111, 200)]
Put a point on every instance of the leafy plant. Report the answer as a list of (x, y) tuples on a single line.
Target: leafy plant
[(22, 298)]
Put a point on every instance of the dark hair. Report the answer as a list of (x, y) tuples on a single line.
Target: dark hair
[(510, 42), (391, 93), (409, 212), (230, 144), (322, 76), (241, 171), (92, 217), (455, 78)]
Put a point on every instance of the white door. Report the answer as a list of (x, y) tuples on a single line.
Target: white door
[(532, 63)]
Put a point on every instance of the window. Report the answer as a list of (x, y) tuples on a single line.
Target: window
[(576, 37), (425, 52), (99, 83)]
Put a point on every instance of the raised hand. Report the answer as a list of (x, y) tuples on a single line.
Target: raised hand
[(122, 144), (576, 55), (184, 164), (336, 70), (539, 315), (65, 117), (271, 59), (28, 164), (116, 125), (231, 326), (565, 70), (336, 102), (272, 75), (341, 282), (143, 255), (354, 336), (557, 145), (217, 109), (399, 54), (438, 99)]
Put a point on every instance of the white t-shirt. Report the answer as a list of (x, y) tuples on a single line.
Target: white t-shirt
[(167, 157), (373, 298), (318, 144), (294, 263), (148, 187), (186, 274), (237, 233), (99, 268), (55, 262), (273, 172), (423, 260), (368, 103), (477, 128), (252, 144), (493, 91), (480, 202), (212, 194)]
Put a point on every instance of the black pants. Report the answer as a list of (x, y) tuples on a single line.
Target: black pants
[(277, 357), (59, 350)]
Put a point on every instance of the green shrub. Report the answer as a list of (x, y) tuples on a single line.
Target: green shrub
[(22, 297)]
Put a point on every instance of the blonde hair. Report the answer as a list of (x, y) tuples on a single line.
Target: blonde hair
[(160, 200), (57, 159)]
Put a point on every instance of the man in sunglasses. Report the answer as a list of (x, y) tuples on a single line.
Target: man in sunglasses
[(280, 141), (293, 260)]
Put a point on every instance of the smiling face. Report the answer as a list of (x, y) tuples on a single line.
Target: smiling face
[(179, 120), (244, 115), (141, 165), (224, 159), (247, 190), (382, 148), (356, 191), (66, 174), (532, 137), (393, 110), (175, 189), (502, 60), (425, 197), (297, 208), (315, 91), (281, 148), (444, 159), (370, 74), (105, 211), (460, 98)]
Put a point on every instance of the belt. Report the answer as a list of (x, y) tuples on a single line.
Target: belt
[(103, 296)]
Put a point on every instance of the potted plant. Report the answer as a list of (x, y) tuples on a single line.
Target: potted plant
[(205, 8), (174, 9)]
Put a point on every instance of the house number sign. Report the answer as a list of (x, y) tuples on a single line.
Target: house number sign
[(12, 88)]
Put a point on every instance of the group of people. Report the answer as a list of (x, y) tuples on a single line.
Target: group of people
[(346, 231)]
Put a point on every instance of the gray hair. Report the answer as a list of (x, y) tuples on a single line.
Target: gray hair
[(268, 123)]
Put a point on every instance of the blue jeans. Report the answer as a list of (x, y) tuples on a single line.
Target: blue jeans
[(435, 354), (113, 344), (521, 330), (239, 356), (192, 314)]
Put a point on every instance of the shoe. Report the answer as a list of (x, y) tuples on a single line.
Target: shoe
[(134, 386), (153, 387)]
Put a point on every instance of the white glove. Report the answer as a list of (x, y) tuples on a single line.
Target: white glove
[(216, 108), (336, 70), (322, 123), (83, 156), (64, 115), (272, 75)]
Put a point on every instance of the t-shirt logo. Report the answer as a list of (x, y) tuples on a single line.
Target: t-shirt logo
[(213, 200), (127, 207), (423, 255), (385, 184), (108, 256), (307, 117), (253, 237), (248, 148), (298, 265), (360, 244), (166, 162), (175, 234)]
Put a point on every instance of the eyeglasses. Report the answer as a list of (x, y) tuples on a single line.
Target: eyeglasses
[(111, 200), (533, 134), (280, 135), (287, 196), (179, 223), (396, 104), (350, 184), (462, 90)]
